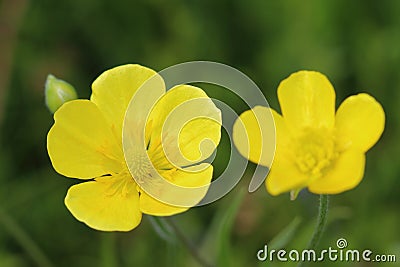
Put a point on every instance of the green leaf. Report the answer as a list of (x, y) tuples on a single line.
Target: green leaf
[(286, 235), (216, 243), (162, 229), (10, 226), (281, 240)]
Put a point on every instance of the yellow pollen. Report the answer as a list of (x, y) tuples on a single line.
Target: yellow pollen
[(145, 164), (143, 171), (314, 151), (140, 166)]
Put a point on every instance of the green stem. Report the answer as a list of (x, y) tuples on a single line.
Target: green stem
[(189, 246), (12, 227), (108, 250), (322, 217), (319, 229)]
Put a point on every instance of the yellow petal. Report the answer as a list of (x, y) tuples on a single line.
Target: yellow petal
[(283, 135), (108, 204), (345, 174), (284, 177), (151, 206), (307, 99), (360, 121), (196, 179), (80, 143), (254, 135), (193, 176), (188, 123), (114, 88)]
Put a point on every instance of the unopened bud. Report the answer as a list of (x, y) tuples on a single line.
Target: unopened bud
[(57, 92)]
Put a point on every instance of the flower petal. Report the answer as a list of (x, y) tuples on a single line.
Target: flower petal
[(360, 121), (114, 89), (284, 176), (80, 143), (307, 99), (254, 134), (108, 204), (345, 174), (196, 177), (188, 123), (151, 206), (283, 135)]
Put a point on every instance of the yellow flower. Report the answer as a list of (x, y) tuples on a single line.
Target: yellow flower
[(315, 148), (86, 142)]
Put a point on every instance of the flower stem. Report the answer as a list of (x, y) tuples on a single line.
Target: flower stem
[(319, 229), (322, 217), (108, 250), (189, 246), (25, 241)]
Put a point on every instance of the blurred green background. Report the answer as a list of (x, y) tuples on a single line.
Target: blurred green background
[(355, 43)]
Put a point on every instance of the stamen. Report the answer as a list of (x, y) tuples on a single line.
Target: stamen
[(314, 151)]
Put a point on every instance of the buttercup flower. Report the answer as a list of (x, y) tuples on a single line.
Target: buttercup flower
[(86, 142), (315, 148)]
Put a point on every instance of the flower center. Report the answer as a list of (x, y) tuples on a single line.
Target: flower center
[(148, 163), (144, 171), (314, 151), (139, 165)]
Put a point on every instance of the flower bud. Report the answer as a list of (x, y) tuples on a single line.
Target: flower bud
[(57, 92)]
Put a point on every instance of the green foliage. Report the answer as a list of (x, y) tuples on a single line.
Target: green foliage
[(284, 237), (217, 241)]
